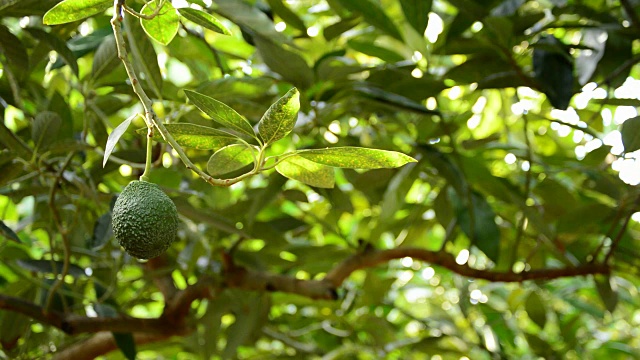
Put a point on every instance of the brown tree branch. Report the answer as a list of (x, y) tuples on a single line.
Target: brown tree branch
[(160, 272)]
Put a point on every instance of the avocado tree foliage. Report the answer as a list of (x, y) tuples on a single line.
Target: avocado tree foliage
[(354, 179)]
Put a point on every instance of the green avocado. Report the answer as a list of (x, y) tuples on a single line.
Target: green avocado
[(145, 220)]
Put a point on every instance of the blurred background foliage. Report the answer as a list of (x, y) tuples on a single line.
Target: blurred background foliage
[(522, 114)]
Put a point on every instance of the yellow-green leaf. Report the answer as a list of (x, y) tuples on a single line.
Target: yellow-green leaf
[(230, 158), (205, 20), (220, 113), (195, 136), (308, 172), (164, 27), (356, 157), (281, 117), (73, 10)]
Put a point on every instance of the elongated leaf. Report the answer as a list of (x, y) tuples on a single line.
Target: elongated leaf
[(73, 10), (252, 18), (334, 30), (195, 136), (554, 71), (144, 55), (115, 135), (8, 233), (102, 231), (371, 49), (14, 51), (288, 64), (357, 157), (536, 309), (220, 113), (125, 341), (373, 14), (631, 134), (163, 27), (392, 99), (281, 117), (607, 291), (230, 158), (205, 20), (105, 59), (308, 172), (57, 45), (417, 13), (50, 267), (46, 127), (287, 14)]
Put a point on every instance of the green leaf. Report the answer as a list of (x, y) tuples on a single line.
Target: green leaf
[(371, 49), (477, 221), (145, 58), (195, 136), (230, 158), (8, 233), (102, 231), (105, 59), (607, 291), (631, 134), (204, 19), (289, 17), (290, 65), (73, 10), (125, 341), (373, 14), (220, 113), (392, 99), (308, 172), (280, 118), (115, 135), (356, 157), (334, 30), (417, 13), (536, 309), (554, 71), (50, 267), (163, 27), (46, 127), (57, 45), (14, 51), (251, 18)]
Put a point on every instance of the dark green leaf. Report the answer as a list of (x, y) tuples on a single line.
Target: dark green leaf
[(308, 172), (115, 135), (554, 71), (607, 291), (287, 15), (290, 65), (50, 267), (220, 113), (477, 221), (205, 20), (163, 27), (195, 136), (417, 13), (356, 157), (281, 117), (536, 309), (369, 48), (73, 10), (631, 134), (8, 233), (373, 14), (394, 100), (102, 231), (230, 158), (57, 45), (252, 18), (105, 59), (45, 128), (334, 30), (14, 51)]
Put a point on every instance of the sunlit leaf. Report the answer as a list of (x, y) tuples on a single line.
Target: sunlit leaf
[(356, 157), (73, 10), (204, 19), (308, 172), (230, 158), (220, 113), (281, 117), (115, 135), (195, 136), (165, 25)]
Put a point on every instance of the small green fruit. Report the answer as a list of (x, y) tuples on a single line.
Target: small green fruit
[(145, 220)]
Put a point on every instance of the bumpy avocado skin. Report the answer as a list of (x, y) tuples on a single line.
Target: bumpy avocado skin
[(145, 220)]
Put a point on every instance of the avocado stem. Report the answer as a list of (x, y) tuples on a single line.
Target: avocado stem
[(147, 164)]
